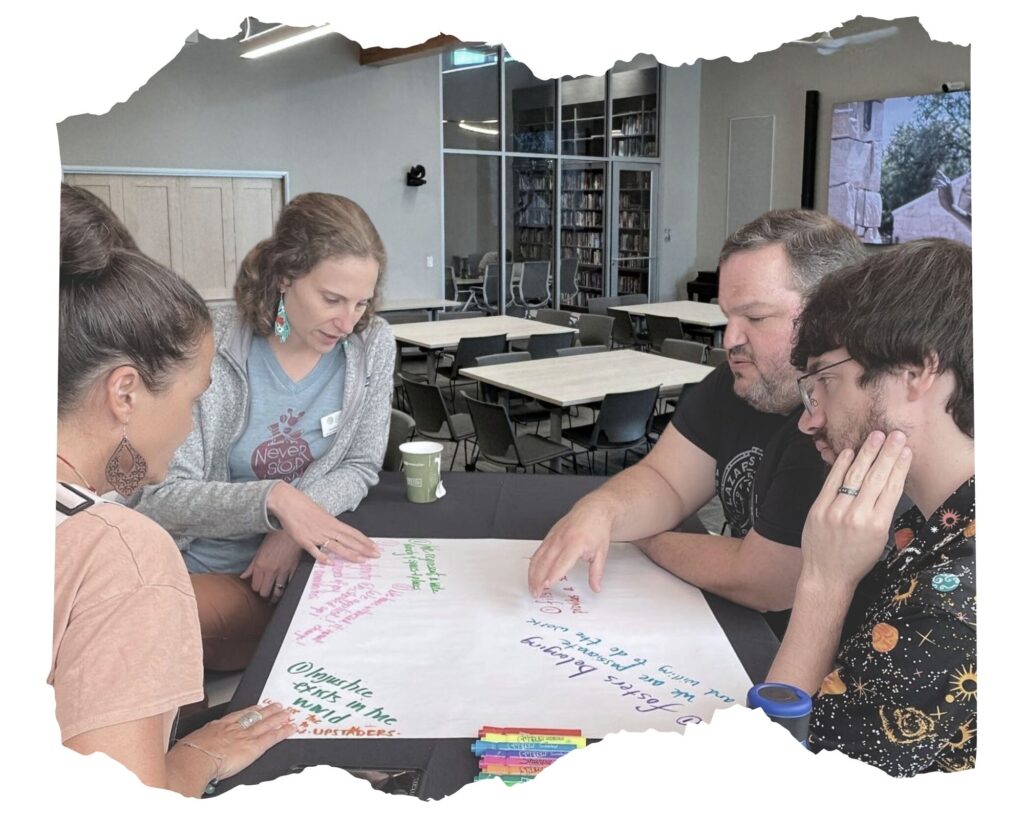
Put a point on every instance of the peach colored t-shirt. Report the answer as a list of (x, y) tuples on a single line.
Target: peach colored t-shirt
[(126, 641)]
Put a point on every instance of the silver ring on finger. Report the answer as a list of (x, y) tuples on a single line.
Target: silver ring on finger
[(279, 586), (250, 719), (848, 490)]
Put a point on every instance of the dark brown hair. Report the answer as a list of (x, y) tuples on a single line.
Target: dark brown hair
[(117, 306), (89, 231), (895, 309), (815, 243), (312, 227)]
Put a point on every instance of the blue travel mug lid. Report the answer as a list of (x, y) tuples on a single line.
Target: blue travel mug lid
[(779, 700)]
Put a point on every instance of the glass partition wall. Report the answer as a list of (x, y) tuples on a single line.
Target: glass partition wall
[(562, 172)]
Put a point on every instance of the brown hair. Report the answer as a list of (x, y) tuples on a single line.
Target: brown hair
[(815, 243), (116, 305), (896, 308), (89, 231), (312, 227)]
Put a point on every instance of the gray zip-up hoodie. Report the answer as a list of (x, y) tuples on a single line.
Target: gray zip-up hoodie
[(197, 499)]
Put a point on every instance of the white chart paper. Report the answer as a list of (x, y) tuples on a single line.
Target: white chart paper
[(437, 638)]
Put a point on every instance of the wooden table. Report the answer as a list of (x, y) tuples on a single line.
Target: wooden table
[(573, 380), (688, 312), (440, 335), (431, 306)]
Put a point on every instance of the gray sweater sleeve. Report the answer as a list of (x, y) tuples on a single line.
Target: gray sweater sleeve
[(188, 505), (197, 500), (346, 484)]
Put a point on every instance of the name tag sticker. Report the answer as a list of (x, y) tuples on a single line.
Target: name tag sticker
[(329, 424)]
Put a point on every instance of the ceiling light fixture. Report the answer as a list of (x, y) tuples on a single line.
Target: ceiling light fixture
[(477, 129), (279, 38)]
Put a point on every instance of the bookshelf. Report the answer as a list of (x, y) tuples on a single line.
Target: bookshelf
[(533, 217), (635, 126), (532, 110), (600, 135), (583, 116), (634, 231), (634, 113), (582, 208)]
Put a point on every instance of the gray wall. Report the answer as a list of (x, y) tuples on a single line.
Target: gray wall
[(776, 83), (680, 161), (314, 112), (337, 126)]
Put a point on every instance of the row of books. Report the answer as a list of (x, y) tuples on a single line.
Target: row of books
[(572, 239), (583, 218), (634, 146), (535, 181), (636, 124), (634, 242), (630, 283), (634, 219), (578, 199), (588, 180)]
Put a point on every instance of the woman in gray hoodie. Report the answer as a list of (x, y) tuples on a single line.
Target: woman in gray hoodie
[(293, 428)]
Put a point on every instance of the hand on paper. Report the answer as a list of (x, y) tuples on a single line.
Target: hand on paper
[(583, 534), (239, 747), (315, 529), (273, 565), (845, 534)]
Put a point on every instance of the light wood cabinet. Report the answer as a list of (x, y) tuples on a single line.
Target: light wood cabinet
[(199, 226)]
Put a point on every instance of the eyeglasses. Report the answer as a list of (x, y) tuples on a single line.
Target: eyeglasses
[(806, 386)]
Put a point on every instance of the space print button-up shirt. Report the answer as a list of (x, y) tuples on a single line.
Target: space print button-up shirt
[(903, 696)]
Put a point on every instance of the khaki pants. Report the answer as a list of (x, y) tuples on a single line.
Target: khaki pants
[(232, 618)]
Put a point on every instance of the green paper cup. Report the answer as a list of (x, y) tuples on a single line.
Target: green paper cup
[(421, 462)]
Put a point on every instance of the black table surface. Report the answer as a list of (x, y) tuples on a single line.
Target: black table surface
[(480, 505)]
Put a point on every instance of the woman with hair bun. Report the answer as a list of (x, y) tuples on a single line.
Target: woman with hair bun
[(134, 353), (292, 431)]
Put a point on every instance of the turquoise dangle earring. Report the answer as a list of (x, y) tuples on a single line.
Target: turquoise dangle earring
[(282, 327)]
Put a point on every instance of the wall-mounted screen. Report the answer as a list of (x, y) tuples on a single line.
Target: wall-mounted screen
[(900, 168)]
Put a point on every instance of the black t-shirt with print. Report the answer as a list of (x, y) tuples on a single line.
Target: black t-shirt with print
[(767, 472)]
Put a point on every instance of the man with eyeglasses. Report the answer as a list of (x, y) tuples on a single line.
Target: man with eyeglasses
[(889, 401), (735, 435)]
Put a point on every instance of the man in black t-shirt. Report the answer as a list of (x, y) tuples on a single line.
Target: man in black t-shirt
[(734, 434)]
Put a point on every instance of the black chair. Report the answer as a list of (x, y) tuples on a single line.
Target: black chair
[(488, 295), (661, 328), (466, 354), (534, 287), (623, 422), (497, 442), (488, 392), (400, 431), (599, 305), (585, 349), (520, 409), (568, 287), (705, 335), (434, 420), (684, 350), (624, 331), (596, 330), (716, 356), (544, 345), (454, 291), (460, 314), (559, 317), (633, 298)]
